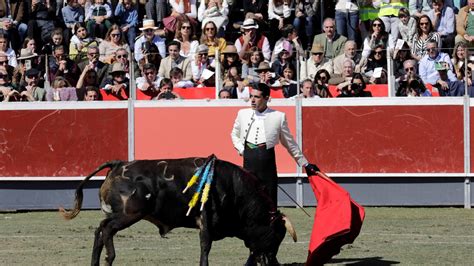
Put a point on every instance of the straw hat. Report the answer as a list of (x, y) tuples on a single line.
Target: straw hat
[(117, 67), (263, 66), (148, 24), (26, 54), (317, 48)]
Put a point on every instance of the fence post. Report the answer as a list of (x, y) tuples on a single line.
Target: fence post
[(390, 74), (299, 140), (217, 73), (131, 109)]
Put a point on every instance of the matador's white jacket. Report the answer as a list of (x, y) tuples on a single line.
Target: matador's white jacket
[(276, 130)]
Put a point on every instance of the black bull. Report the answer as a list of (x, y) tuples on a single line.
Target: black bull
[(152, 190)]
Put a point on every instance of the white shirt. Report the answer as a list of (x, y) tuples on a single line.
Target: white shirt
[(257, 129)]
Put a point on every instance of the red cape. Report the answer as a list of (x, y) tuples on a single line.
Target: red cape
[(337, 221)]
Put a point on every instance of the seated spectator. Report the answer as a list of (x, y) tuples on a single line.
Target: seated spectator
[(41, 20), (346, 75), (12, 16), (443, 19), (118, 85), (316, 62), (279, 15), (27, 60), (252, 38), (5, 48), (377, 59), (61, 91), (175, 60), (151, 55), (412, 87), (31, 91), (7, 92), (445, 86), (465, 32), (331, 41), (30, 44), (458, 58), (321, 85), (266, 73), (56, 39), (72, 13), (356, 87), (91, 93), (288, 41), (350, 52), (88, 78), (377, 36), (79, 43), (176, 76), (427, 64), (401, 56), (288, 82), (225, 94), (282, 60), (113, 40), (149, 82), (230, 59), (93, 62), (200, 64), (248, 69), (382, 79), (181, 11), (307, 90), (61, 66), (122, 56), (186, 37), (98, 17), (233, 82), (209, 38), (214, 11), (424, 35), (166, 91), (407, 26), (127, 17), (149, 35)]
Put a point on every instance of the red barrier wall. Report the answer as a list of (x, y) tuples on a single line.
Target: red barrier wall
[(170, 132), (385, 139), (60, 142)]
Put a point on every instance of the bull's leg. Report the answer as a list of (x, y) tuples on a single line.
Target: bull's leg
[(205, 239), (109, 229), (98, 243)]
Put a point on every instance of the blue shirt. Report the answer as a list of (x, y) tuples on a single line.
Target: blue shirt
[(426, 68), (126, 17), (446, 23), (72, 15)]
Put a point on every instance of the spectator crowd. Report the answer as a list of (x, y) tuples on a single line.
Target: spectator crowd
[(87, 50)]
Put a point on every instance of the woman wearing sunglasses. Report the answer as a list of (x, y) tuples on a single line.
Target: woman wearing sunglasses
[(425, 34), (377, 36), (114, 40)]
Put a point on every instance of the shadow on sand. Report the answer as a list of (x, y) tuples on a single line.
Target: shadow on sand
[(354, 261)]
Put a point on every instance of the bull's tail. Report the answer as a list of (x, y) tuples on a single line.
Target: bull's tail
[(71, 214)]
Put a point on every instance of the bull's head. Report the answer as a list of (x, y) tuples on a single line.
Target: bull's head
[(265, 253)]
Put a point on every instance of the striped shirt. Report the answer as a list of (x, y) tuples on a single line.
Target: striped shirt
[(419, 45)]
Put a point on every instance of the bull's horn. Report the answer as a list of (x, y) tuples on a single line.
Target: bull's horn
[(290, 228)]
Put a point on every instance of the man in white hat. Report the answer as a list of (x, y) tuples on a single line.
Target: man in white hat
[(316, 62), (252, 37), (148, 34)]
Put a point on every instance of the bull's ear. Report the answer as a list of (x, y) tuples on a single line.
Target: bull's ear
[(198, 162)]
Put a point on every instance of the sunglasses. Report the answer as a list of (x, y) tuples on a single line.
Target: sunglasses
[(3, 76), (377, 25), (410, 69), (185, 27), (323, 77), (423, 23), (119, 56), (317, 53), (430, 49), (115, 34), (32, 77), (379, 52), (3, 62), (209, 29), (148, 30)]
